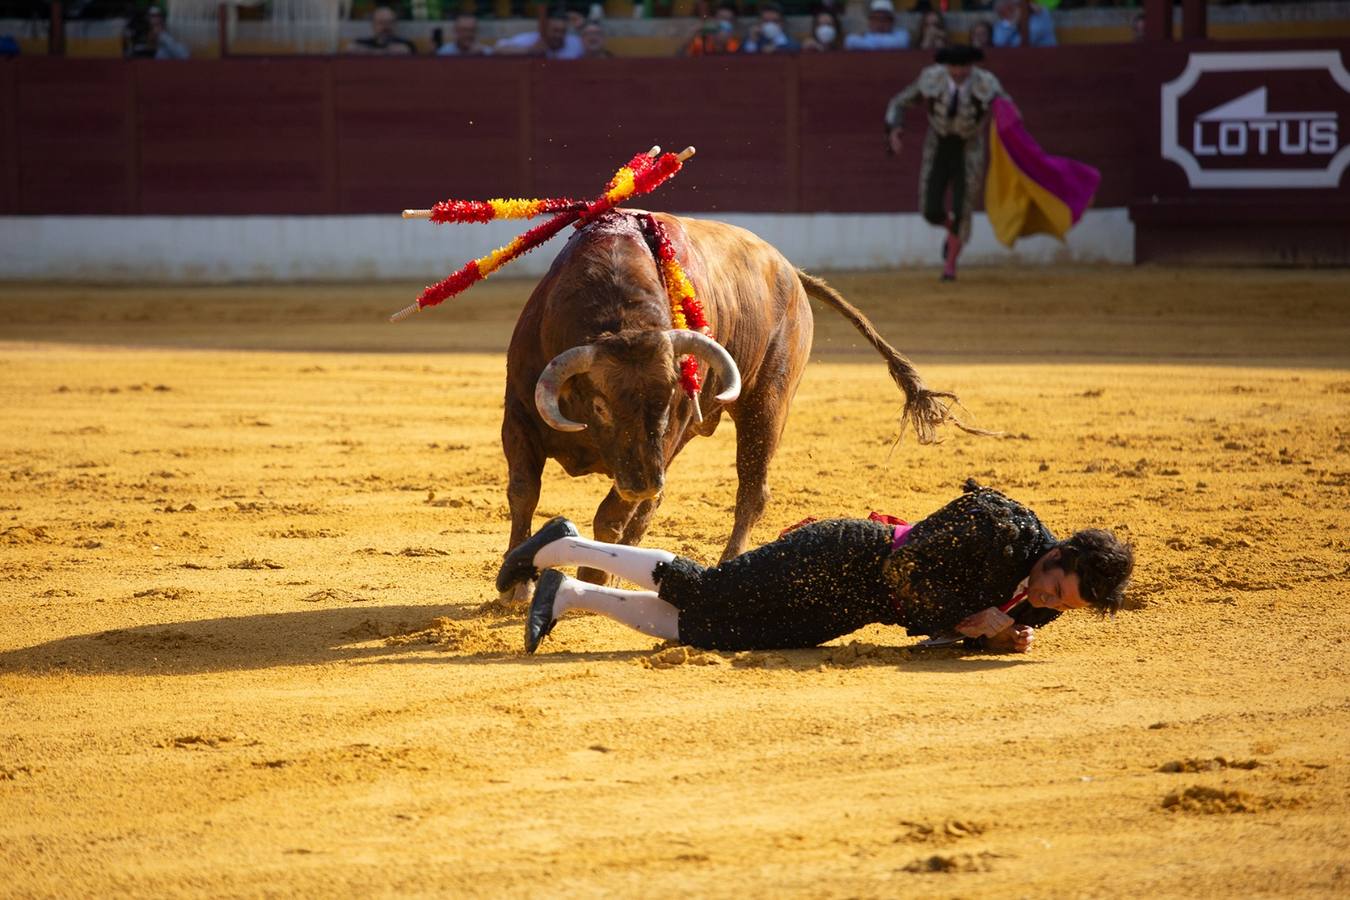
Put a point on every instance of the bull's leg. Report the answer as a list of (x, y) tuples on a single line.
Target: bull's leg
[(525, 466), (642, 517), (757, 438), (612, 520), (760, 419)]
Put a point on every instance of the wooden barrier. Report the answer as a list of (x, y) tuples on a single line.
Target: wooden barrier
[(351, 135), (775, 134)]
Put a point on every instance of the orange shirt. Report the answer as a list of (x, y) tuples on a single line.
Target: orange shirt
[(703, 45)]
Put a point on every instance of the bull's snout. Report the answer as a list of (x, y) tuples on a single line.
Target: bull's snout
[(634, 493)]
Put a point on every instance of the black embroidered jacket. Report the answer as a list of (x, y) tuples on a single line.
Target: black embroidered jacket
[(968, 556)]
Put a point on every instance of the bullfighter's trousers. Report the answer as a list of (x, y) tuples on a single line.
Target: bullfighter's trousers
[(814, 584), (950, 164)]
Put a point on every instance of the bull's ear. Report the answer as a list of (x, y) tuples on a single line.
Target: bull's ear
[(600, 410)]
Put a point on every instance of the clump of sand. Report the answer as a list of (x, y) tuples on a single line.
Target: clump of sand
[(470, 637), (670, 657), (1211, 801), (1194, 764)]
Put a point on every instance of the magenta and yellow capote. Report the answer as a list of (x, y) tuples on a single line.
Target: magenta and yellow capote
[(1028, 191)]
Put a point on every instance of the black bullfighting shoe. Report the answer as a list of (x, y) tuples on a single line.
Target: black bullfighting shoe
[(519, 563), (540, 621)]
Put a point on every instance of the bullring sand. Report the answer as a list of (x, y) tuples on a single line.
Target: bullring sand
[(249, 645)]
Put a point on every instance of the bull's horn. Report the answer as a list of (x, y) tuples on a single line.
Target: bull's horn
[(564, 366), (683, 341)]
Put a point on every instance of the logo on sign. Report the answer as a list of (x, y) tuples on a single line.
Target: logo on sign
[(1244, 143)]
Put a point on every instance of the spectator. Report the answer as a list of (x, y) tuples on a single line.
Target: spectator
[(1007, 30), (932, 31), (717, 35), (382, 40), (827, 35), (593, 42), (981, 35), (466, 39), (147, 38), (166, 45), (136, 37), (881, 32), (551, 40), (768, 34), (1137, 27)]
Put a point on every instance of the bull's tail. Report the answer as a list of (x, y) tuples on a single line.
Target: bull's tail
[(925, 409)]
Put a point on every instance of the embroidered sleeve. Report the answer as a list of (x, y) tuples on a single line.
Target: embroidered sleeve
[(986, 86), (895, 110), (919, 87)]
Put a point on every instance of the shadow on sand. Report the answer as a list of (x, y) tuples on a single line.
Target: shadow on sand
[(455, 633), (261, 641)]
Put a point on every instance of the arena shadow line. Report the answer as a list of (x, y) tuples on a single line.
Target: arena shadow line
[(384, 635), (247, 642)]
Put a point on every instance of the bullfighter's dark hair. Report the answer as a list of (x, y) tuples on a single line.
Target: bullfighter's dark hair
[(1102, 563), (959, 55)]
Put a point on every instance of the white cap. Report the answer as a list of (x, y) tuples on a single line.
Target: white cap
[(885, 6)]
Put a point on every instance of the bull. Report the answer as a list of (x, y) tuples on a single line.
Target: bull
[(593, 382)]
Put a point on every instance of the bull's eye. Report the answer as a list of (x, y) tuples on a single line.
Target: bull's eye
[(600, 409)]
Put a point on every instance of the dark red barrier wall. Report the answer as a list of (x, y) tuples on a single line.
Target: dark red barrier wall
[(789, 134), (343, 135)]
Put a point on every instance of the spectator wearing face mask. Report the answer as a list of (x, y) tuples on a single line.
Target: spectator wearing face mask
[(716, 35), (826, 34), (881, 32), (769, 34)]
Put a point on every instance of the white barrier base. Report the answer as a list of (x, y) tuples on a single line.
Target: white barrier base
[(216, 249)]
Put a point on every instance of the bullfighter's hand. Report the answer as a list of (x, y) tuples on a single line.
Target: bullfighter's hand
[(896, 142), (1016, 639), (985, 623)]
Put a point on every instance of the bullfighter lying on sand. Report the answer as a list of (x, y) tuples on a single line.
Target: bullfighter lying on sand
[(983, 567)]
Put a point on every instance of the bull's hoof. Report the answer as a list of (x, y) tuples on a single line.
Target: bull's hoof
[(540, 621), (516, 598), (519, 563)]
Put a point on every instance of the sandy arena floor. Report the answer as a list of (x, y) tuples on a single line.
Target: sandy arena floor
[(247, 538)]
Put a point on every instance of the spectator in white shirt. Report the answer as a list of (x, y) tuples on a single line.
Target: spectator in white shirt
[(881, 32), (551, 41), (466, 39)]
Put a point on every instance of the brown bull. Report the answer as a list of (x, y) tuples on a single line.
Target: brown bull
[(592, 377)]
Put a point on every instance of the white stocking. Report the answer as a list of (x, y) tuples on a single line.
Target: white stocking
[(641, 610), (633, 563)]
